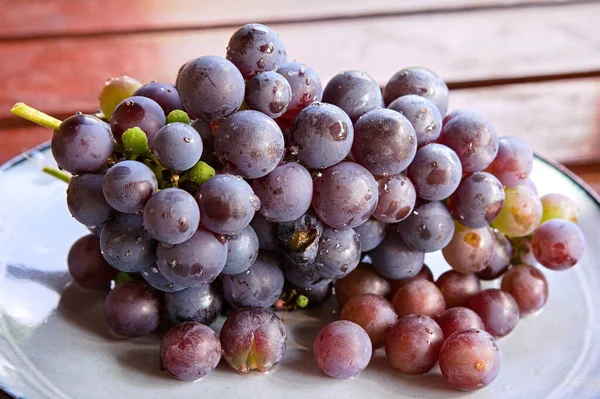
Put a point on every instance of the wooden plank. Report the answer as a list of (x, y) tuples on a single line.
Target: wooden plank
[(62, 17), (590, 173), (65, 75)]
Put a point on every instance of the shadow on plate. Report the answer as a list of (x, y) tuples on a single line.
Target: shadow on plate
[(143, 361)]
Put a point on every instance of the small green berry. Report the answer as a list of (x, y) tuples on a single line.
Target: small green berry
[(201, 172), (178, 116), (302, 301), (135, 140), (122, 277)]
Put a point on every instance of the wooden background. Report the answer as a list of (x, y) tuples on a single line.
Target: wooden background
[(531, 67)]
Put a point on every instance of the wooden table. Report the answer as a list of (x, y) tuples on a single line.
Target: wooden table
[(531, 67)]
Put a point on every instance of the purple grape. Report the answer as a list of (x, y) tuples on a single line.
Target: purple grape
[(435, 172), (227, 204), (374, 313), (528, 286), (269, 93), (137, 111), (419, 81), (126, 245), (501, 258), (420, 297), (342, 349), (210, 88), (477, 200), (498, 310), (265, 231), (194, 262), (165, 95), (345, 195), (305, 84), (171, 216), (470, 360), (156, 280), (316, 293), (206, 135), (286, 193), (558, 244), (82, 144), (87, 266), (371, 233), (428, 228), (86, 201), (322, 134), (470, 250), (339, 253), (260, 285), (385, 142), (459, 319), (253, 339), (302, 275), (190, 351), (299, 239), (422, 114), (243, 250), (355, 92), (133, 309), (177, 146), (397, 197), (200, 304), (513, 162), (395, 260), (250, 142), (457, 288), (128, 185), (424, 274), (362, 280), (473, 139)]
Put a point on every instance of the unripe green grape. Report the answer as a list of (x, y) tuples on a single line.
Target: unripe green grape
[(521, 213), (114, 91), (558, 206)]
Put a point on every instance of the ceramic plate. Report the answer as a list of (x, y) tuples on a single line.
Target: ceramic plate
[(55, 343)]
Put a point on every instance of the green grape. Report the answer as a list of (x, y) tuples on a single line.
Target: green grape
[(201, 172), (302, 301), (122, 277), (521, 213), (178, 115), (135, 140), (114, 91), (558, 206)]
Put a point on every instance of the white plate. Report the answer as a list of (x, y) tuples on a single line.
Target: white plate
[(54, 341)]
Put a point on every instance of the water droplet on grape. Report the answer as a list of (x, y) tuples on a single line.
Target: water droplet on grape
[(302, 70)]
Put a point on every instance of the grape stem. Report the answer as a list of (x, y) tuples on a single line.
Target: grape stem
[(33, 115), (57, 173)]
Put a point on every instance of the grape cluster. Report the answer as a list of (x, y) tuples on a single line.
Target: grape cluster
[(248, 185)]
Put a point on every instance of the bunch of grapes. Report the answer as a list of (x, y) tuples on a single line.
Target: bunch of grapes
[(249, 184)]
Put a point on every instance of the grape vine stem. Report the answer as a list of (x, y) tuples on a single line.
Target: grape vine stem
[(33, 115)]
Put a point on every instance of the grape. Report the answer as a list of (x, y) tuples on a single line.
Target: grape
[(558, 244), (171, 216), (435, 172), (265, 231), (558, 206), (190, 351), (470, 250), (339, 253), (424, 274), (316, 293), (513, 163), (428, 228), (177, 146), (397, 197), (194, 262), (345, 195), (355, 92), (210, 88), (498, 310), (459, 319), (305, 84), (419, 297), (269, 93), (255, 48), (242, 253), (86, 201), (140, 112), (300, 238), (251, 142), (126, 245), (501, 258), (470, 359), (457, 288), (393, 259), (422, 114), (342, 349), (164, 94), (362, 280), (128, 185), (114, 91), (371, 233), (477, 200), (385, 142), (528, 286), (86, 265), (300, 274), (419, 81), (473, 138), (455, 113), (227, 204), (260, 285), (253, 339), (412, 344), (133, 309), (200, 304), (374, 313), (206, 135), (82, 144), (156, 280), (285, 194), (521, 213), (529, 184)]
